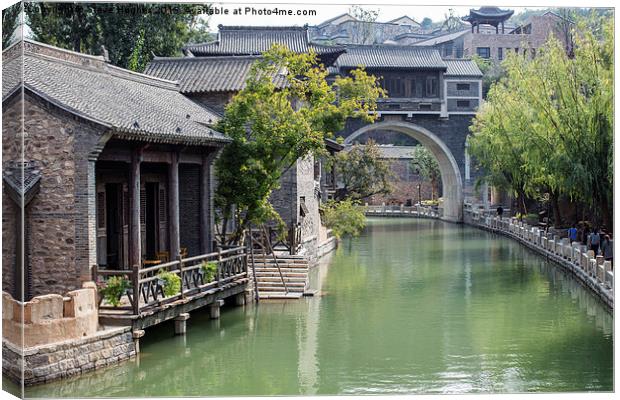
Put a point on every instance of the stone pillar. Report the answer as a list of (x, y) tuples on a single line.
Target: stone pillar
[(240, 299), (173, 206), (180, 324), (137, 334), (135, 245), (214, 309)]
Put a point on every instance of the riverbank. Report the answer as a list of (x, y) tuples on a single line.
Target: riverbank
[(591, 271)]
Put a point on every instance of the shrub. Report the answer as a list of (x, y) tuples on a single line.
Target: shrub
[(209, 269), (344, 217), (113, 288), (172, 282)]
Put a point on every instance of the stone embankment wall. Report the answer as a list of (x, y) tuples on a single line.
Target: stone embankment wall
[(54, 361), (592, 271)]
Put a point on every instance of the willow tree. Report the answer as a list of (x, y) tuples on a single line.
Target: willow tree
[(548, 125), (273, 126)]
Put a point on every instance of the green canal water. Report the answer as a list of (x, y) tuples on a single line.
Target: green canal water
[(411, 306)]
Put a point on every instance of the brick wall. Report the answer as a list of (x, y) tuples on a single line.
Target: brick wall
[(61, 217)]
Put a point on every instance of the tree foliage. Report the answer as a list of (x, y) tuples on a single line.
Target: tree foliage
[(428, 167), (362, 171), (344, 217), (547, 126), (272, 128), (10, 23), (131, 32)]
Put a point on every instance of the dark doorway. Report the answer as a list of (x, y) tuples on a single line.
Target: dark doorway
[(114, 225), (151, 220)]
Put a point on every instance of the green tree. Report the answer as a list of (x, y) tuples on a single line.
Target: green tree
[(272, 128), (363, 172), (345, 217), (10, 22), (131, 32), (427, 23), (547, 127), (428, 168), (492, 72)]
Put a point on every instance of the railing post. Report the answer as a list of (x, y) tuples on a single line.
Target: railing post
[(181, 273), (219, 266), (135, 279)]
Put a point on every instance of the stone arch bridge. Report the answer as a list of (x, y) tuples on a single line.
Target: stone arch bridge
[(445, 138)]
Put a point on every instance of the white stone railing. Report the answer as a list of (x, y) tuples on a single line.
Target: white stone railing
[(596, 273), (403, 211)]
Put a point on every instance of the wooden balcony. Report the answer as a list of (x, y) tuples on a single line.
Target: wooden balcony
[(144, 303)]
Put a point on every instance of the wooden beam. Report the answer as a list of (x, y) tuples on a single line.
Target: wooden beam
[(135, 245), (173, 206)]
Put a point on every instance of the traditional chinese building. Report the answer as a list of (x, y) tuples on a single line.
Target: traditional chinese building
[(116, 162)]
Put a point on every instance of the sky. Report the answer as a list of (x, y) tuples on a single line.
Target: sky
[(323, 12)]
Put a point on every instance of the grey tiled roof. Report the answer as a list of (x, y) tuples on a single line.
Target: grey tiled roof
[(462, 67), (254, 40), (207, 74), (132, 105), (391, 56), (441, 39)]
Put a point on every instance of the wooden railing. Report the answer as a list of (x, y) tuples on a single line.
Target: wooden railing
[(231, 265)]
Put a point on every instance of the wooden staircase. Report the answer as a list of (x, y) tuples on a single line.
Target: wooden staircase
[(293, 270)]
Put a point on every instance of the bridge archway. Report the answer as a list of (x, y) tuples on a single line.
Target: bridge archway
[(452, 183)]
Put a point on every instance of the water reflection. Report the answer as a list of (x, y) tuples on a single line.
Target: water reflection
[(412, 306)]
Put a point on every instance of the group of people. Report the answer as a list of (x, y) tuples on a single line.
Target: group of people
[(599, 242)]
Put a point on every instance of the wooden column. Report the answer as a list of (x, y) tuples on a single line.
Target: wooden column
[(205, 205), (173, 206), (135, 245)]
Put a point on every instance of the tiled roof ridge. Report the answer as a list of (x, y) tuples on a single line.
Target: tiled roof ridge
[(95, 64), (262, 28), (209, 58)]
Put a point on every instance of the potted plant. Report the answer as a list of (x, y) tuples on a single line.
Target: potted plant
[(112, 289), (170, 282), (208, 269)]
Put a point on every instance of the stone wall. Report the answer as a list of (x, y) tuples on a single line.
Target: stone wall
[(61, 360), (50, 318), (61, 218), (542, 27)]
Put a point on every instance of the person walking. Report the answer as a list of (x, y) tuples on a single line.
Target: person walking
[(572, 234), (500, 211), (595, 241), (607, 249)]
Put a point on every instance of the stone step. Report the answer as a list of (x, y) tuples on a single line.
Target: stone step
[(283, 270), (280, 288), (281, 264), (279, 279), (281, 260), (280, 295), (276, 273), (279, 283)]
